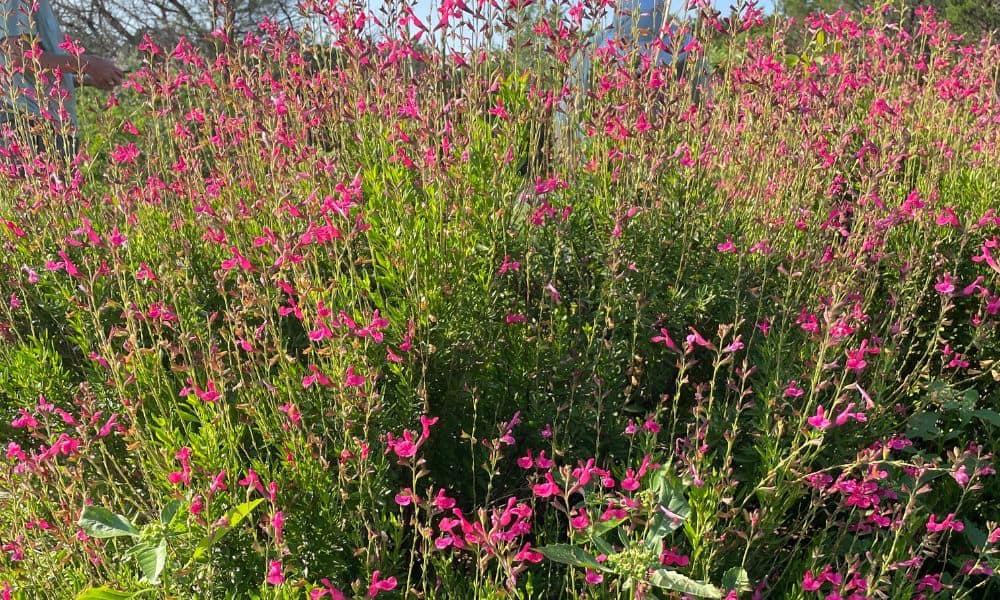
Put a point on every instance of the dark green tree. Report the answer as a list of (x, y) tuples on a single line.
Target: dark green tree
[(974, 18)]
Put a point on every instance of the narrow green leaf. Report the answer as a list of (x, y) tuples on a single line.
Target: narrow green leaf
[(102, 523), (571, 555), (102, 593), (672, 580)]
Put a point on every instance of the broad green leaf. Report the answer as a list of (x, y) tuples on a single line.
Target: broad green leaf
[(924, 426), (233, 518), (737, 579), (672, 580), (242, 511), (102, 593), (601, 527), (152, 557), (574, 556), (987, 416), (671, 511), (602, 545), (102, 523), (169, 511), (976, 536)]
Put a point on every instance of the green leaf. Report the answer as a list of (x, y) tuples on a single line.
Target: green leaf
[(672, 580), (169, 511), (602, 545), (602, 527), (987, 416), (574, 556), (152, 557), (102, 593), (924, 426), (233, 518), (242, 511), (102, 523), (671, 511), (737, 579)]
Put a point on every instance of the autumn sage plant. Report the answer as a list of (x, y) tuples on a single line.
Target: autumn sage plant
[(400, 306)]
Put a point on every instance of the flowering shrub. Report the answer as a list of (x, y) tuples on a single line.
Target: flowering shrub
[(406, 314)]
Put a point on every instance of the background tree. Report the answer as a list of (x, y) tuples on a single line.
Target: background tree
[(108, 26), (975, 18)]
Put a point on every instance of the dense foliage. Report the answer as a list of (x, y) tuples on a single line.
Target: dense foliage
[(407, 315)]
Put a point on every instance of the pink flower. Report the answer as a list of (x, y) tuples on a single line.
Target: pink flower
[(949, 523), (549, 488), (593, 577), (184, 475), (330, 591), (353, 379), (528, 555), (581, 521), (380, 585), (793, 390), (960, 476), (405, 497), (930, 582), (810, 583), (945, 285), (665, 338), (630, 483), (508, 265), (442, 501), (274, 573), (670, 557), (543, 462), (515, 318), (218, 483), (125, 153), (819, 420), (994, 536), (846, 415), (727, 246), (696, 339), (402, 447), (972, 567)]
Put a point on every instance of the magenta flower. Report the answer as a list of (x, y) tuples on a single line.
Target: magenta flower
[(580, 521), (547, 489), (275, 576), (402, 447), (665, 338), (526, 554), (379, 585), (353, 379), (819, 420), (332, 592), (515, 318), (949, 523), (670, 558), (793, 390), (945, 285)]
